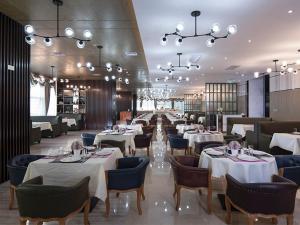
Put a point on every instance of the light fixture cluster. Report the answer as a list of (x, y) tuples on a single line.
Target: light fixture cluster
[(212, 34), (155, 93), (172, 67), (285, 67), (113, 77), (108, 66), (48, 39), (75, 87), (42, 79), (178, 79)]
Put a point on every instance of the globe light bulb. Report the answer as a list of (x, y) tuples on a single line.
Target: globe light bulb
[(92, 68), (163, 41), (170, 72), (256, 74), (108, 64), (156, 79), (178, 41), (290, 69), (298, 62), (210, 42), (295, 72), (29, 29), (67, 80), (198, 67), (282, 72), (169, 63), (158, 66), (106, 78), (187, 79), (54, 79), (232, 29), (48, 41), (80, 43), (88, 64), (109, 69), (269, 70), (30, 40), (216, 28), (120, 69), (284, 63), (69, 32), (188, 68), (179, 27), (113, 77), (87, 34), (166, 78), (126, 81), (79, 65)]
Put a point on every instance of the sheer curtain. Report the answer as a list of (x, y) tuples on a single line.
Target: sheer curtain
[(37, 100), (52, 103)]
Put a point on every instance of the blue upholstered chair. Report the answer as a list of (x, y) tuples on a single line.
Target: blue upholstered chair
[(129, 176), (289, 167), (88, 139), (177, 142), (16, 170)]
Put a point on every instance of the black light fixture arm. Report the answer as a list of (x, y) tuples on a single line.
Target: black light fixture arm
[(173, 67)]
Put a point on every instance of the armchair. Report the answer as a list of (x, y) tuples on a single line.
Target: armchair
[(43, 203), (143, 141), (289, 167), (129, 176), (143, 122), (16, 170), (35, 135), (200, 146), (177, 142), (267, 200), (188, 175), (88, 139)]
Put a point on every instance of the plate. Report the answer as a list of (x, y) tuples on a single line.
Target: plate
[(105, 151), (89, 148), (70, 159), (248, 158), (192, 132), (212, 151), (259, 153)]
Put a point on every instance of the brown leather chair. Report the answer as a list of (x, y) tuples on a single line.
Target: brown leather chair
[(200, 146), (143, 141), (188, 175), (143, 122), (268, 200)]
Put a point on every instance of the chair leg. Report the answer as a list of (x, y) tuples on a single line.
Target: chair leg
[(289, 220), (172, 151), (107, 205), (228, 210), (175, 191), (138, 200), (274, 220), (143, 193), (40, 223), (250, 220), (11, 197), (118, 194), (86, 213), (148, 151), (209, 200), (178, 197), (22, 221), (62, 222)]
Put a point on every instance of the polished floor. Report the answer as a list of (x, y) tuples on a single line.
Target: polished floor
[(159, 206)]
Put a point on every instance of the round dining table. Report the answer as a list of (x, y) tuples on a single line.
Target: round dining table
[(194, 136)]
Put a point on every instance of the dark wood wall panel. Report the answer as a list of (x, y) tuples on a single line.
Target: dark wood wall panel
[(124, 102), (14, 92)]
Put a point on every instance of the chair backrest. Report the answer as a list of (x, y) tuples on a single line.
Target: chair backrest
[(51, 119), (243, 120), (88, 139), (141, 122), (171, 130), (278, 127), (143, 140), (179, 122), (113, 143), (178, 142), (148, 129), (200, 146)]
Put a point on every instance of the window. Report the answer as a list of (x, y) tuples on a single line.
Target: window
[(37, 100), (52, 103)]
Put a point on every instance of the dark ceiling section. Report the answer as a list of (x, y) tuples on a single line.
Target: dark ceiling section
[(112, 22)]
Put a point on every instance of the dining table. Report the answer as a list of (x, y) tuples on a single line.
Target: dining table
[(69, 121), (174, 118), (241, 129), (183, 127), (127, 136), (195, 136), (146, 117), (42, 125), (137, 128), (287, 141), (56, 172)]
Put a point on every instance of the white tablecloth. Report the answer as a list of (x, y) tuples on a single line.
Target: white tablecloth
[(67, 174), (182, 127), (225, 120), (289, 142), (145, 117), (246, 172), (127, 137), (241, 129), (42, 125), (69, 121), (136, 127), (202, 137), (173, 118)]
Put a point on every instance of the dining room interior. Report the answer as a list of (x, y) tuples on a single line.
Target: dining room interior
[(149, 112)]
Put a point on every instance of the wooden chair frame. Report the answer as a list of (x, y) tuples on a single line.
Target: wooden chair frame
[(62, 221), (11, 198)]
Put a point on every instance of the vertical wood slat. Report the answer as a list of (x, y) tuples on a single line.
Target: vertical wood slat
[(14, 92)]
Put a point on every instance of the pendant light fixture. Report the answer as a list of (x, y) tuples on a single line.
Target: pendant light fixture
[(212, 34), (49, 39)]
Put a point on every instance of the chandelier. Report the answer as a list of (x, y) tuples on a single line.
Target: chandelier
[(178, 79), (215, 29), (48, 39), (108, 66), (172, 67), (155, 93)]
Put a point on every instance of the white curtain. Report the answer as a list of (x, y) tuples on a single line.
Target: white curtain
[(52, 103), (37, 100)]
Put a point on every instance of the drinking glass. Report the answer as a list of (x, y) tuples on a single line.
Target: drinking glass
[(295, 130), (99, 145), (250, 149)]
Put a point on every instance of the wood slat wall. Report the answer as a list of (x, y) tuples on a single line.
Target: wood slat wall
[(14, 92)]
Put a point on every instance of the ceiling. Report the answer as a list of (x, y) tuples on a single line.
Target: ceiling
[(112, 23), (274, 33)]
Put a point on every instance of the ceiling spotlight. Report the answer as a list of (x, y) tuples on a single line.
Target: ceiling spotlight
[(87, 34), (29, 29), (79, 65), (269, 70), (106, 78), (198, 67), (232, 29), (88, 64), (69, 32), (290, 11), (71, 86), (92, 68), (30, 40), (290, 69), (164, 41), (178, 41), (80, 43), (48, 41), (210, 42), (113, 77), (67, 86), (216, 28), (256, 74), (119, 69), (179, 27)]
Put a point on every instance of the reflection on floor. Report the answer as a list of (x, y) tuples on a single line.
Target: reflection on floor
[(159, 206)]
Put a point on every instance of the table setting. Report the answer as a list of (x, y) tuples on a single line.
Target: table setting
[(287, 141)]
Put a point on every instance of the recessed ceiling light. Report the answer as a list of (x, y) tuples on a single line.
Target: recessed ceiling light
[(249, 41), (131, 53), (202, 74), (225, 58), (211, 67), (242, 75), (290, 11)]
